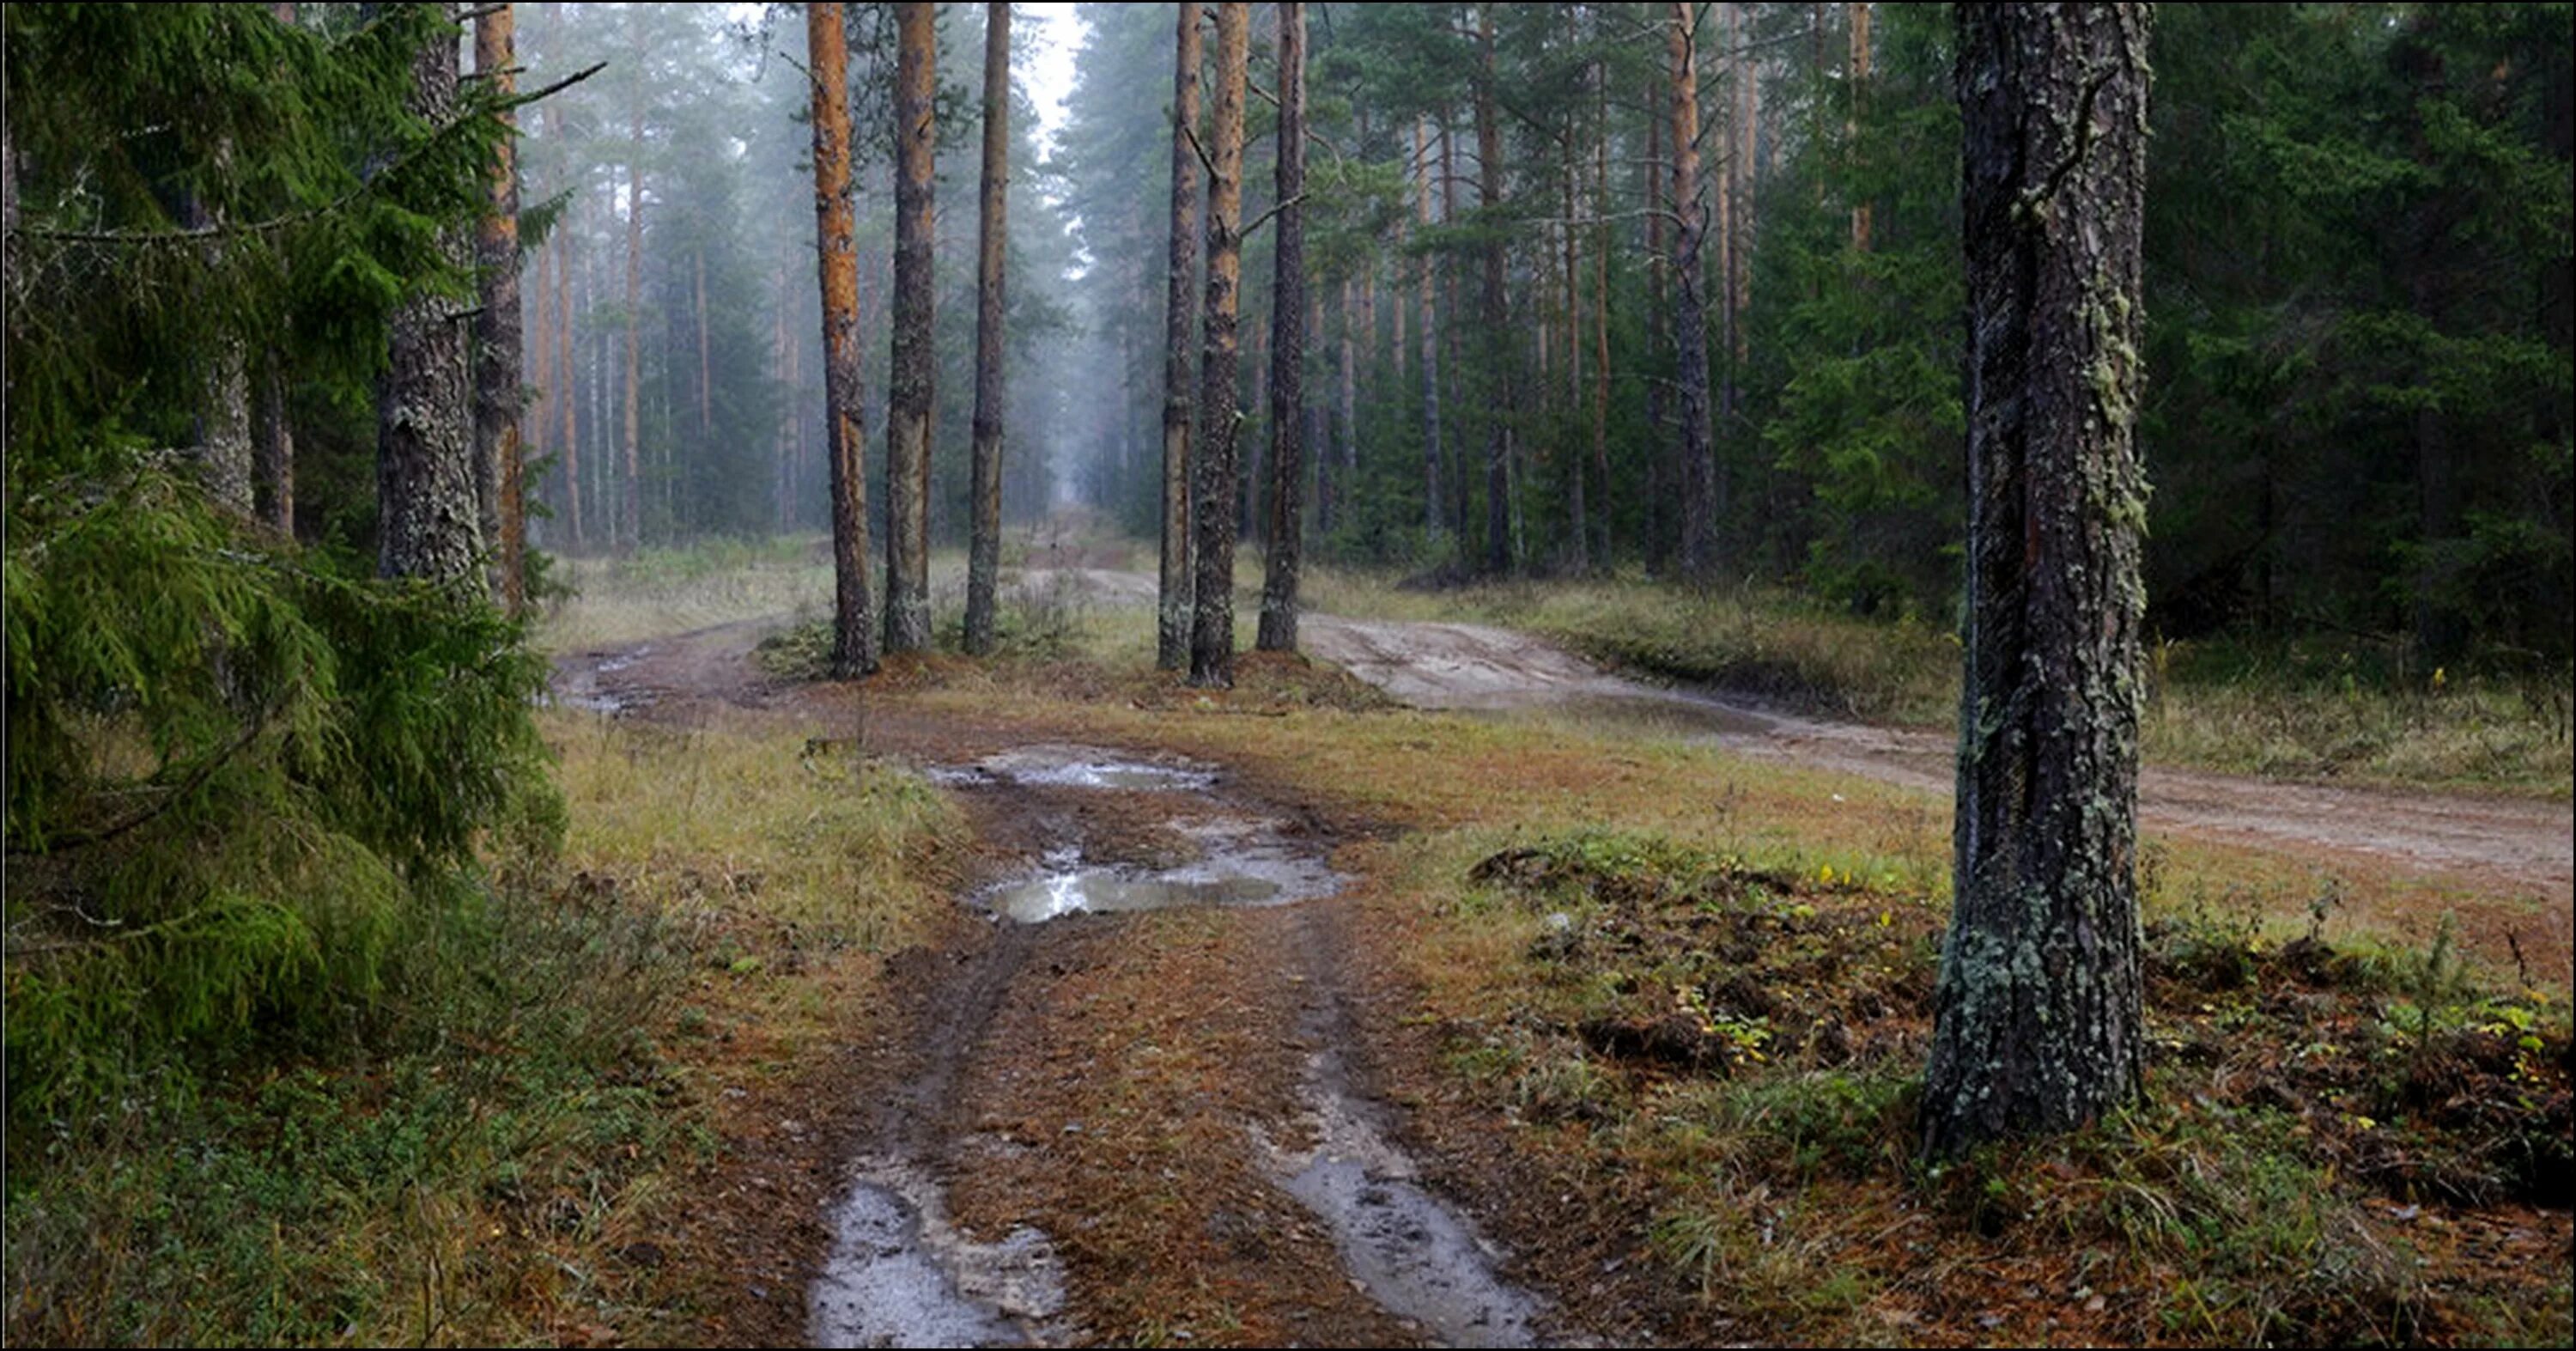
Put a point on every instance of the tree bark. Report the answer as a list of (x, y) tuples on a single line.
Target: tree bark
[(1212, 487), (915, 369), (1495, 313), (1175, 614), (1691, 448), (427, 524), (498, 375), (1430, 345), (854, 634), (1287, 346), (631, 496), (984, 547), (1859, 48), (2038, 1023)]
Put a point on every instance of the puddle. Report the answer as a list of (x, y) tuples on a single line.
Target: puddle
[(1417, 1258), (900, 1274), (1244, 863), (1079, 767), (581, 688)]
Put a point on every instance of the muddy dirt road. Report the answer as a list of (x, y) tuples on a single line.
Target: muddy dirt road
[(1143, 1090)]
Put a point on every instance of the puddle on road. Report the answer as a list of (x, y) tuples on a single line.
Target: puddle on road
[(1417, 1258), (581, 690), (900, 1274), (1078, 767), (1242, 863)]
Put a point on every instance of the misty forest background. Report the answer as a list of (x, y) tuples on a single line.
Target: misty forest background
[(2358, 306)]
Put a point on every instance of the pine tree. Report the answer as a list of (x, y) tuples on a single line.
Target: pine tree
[(854, 632), (2039, 1023)]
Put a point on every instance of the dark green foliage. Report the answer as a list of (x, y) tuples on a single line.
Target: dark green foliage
[(241, 777)]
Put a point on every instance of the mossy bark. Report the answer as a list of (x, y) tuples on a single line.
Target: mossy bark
[(427, 521), (2038, 1025)]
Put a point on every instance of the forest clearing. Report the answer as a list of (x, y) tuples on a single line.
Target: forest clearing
[(908, 674)]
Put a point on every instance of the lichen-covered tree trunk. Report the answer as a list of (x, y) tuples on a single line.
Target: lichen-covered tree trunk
[(427, 524), (1287, 347), (2037, 1023), (915, 368), (497, 375), (854, 635), (984, 544), (1691, 448), (1212, 479), (1175, 613)]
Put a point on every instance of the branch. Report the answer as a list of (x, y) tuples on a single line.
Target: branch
[(1264, 218)]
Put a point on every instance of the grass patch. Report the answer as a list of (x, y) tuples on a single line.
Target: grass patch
[(2320, 1160), (657, 591)]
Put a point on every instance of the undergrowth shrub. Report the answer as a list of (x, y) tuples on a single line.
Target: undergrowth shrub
[(234, 773)]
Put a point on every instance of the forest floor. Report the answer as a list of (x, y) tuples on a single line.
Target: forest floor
[(1587, 1017)]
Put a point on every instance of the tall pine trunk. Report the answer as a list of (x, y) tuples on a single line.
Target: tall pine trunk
[(1494, 313), (1430, 343), (984, 547), (2038, 1023), (497, 373), (1287, 346), (1175, 613), (1691, 448), (854, 635), (910, 399), (631, 497), (1212, 485)]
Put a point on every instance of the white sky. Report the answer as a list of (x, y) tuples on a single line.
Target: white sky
[(1048, 33)]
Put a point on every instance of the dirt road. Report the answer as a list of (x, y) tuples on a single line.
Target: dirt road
[(2482, 843), (1143, 1090)]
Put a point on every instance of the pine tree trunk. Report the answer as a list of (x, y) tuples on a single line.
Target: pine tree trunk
[(854, 635), (1176, 614), (1430, 346), (498, 375), (2038, 1023), (567, 374), (1494, 314), (1859, 48), (1691, 448), (911, 396), (631, 510), (984, 547), (427, 524), (1287, 346), (1213, 486)]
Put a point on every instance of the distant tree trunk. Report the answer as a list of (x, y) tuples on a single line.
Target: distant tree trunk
[(1860, 212), (1659, 484), (1601, 303), (2037, 1023), (567, 374), (1329, 478), (984, 549), (427, 524), (1690, 306), (498, 376), (706, 367), (1221, 423), (854, 634), (632, 497), (1175, 614), (1287, 346), (1430, 345), (223, 431), (1495, 314)]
